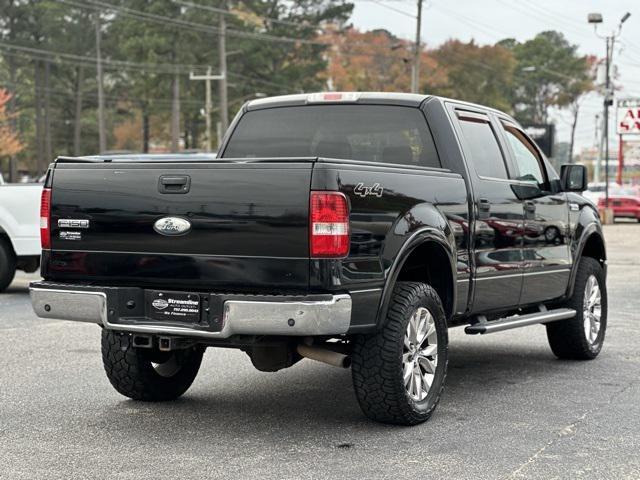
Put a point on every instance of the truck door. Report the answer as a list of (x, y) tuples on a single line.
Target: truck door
[(497, 219), (547, 258)]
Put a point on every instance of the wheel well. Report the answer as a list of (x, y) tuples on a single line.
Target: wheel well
[(429, 263), (594, 248)]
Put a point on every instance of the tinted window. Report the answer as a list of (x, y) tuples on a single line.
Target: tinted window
[(484, 152), (374, 133), (526, 156)]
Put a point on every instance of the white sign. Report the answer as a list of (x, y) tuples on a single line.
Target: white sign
[(628, 116)]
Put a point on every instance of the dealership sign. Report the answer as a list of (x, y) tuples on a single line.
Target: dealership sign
[(628, 116)]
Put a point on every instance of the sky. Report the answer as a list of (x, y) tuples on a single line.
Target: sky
[(488, 21)]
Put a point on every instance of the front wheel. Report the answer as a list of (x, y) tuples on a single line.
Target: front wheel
[(399, 371), (148, 374), (581, 337)]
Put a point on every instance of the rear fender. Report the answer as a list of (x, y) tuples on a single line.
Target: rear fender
[(422, 235)]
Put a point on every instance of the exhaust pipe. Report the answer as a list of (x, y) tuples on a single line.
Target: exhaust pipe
[(323, 355)]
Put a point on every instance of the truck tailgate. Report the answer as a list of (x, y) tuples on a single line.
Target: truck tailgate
[(248, 224)]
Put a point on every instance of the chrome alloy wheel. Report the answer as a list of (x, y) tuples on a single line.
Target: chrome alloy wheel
[(592, 309), (420, 354)]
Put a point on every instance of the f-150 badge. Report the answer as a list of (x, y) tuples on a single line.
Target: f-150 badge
[(172, 226), (374, 190)]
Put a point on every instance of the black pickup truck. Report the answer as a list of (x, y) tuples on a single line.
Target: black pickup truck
[(349, 228)]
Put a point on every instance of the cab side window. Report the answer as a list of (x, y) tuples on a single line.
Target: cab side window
[(484, 150), (527, 158)]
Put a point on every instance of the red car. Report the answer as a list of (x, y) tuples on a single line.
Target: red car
[(624, 201)]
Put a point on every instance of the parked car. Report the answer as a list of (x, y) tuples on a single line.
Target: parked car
[(19, 229), (594, 191), (624, 201), (338, 227)]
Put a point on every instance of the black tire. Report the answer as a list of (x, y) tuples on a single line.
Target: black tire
[(551, 234), (568, 338), (132, 373), (378, 367), (7, 264)]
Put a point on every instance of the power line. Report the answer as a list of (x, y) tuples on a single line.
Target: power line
[(178, 22), (236, 14), (542, 16), (394, 9)]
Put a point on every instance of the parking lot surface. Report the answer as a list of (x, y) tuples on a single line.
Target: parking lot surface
[(510, 410)]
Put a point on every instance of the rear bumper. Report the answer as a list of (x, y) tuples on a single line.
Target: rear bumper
[(239, 314)]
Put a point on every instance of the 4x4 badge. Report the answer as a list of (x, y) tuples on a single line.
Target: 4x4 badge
[(374, 190)]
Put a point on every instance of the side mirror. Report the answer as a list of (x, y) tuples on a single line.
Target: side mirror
[(573, 178)]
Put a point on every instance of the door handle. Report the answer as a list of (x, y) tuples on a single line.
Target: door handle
[(484, 206), (174, 183)]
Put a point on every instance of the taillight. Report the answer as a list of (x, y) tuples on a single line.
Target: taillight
[(45, 218), (328, 225)]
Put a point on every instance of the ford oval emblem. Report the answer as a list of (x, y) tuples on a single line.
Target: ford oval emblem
[(172, 226)]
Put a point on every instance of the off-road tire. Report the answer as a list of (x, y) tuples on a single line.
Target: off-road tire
[(132, 373), (377, 367), (7, 264), (567, 338)]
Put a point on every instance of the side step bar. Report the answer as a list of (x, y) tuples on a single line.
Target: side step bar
[(517, 321)]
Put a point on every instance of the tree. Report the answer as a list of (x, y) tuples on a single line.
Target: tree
[(10, 144), (549, 73), (375, 61), (580, 85), (479, 74)]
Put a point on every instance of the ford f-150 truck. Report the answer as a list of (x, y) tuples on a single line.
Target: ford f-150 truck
[(349, 228)]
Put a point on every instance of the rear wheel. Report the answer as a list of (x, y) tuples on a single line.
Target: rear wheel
[(581, 337), (398, 372), (148, 374), (7, 264)]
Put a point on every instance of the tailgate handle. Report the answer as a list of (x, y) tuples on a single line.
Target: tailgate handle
[(174, 183)]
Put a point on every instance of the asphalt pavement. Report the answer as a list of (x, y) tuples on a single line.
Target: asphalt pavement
[(510, 409)]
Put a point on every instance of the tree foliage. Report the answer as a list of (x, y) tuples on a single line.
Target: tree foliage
[(9, 142), (149, 48), (479, 74), (549, 73)]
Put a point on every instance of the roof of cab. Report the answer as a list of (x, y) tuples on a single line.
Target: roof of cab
[(376, 98), (371, 98)]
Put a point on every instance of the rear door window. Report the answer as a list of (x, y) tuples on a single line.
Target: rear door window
[(483, 149), (375, 133)]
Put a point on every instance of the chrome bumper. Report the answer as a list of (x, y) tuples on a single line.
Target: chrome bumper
[(298, 317)]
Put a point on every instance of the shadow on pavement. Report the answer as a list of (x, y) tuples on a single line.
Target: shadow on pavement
[(310, 399)]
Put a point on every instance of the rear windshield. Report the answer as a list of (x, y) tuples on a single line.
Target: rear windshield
[(375, 133)]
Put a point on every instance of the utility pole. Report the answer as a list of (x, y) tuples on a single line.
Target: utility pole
[(222, 51), (607, 101), (415, 77), (102, 138), (595, 19), (175, 113), (598, 142), (207, 105)]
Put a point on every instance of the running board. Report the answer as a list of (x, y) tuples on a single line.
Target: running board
[(517, 321)]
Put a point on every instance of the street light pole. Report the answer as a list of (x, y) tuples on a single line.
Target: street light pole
[(607, 102), (595, 19)]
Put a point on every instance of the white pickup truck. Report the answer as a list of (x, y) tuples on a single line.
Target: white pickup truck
[(19, 229)]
